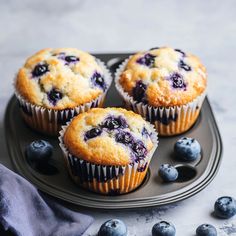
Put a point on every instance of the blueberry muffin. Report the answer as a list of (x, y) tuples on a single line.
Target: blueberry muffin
[(56, 84), (167, 86), (108, 150)]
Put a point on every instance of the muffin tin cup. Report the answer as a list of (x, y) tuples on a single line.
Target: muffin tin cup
[(167, 120), (108, 180), (49, 121)]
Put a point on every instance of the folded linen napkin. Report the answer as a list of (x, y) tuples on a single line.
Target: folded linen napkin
[(26, 212)]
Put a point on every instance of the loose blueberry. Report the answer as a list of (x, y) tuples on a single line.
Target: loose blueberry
[(225, 207), (163, 228), (184, 66), (147, 60), (139, 91), (70, 59), (98, 80), (39, 151), (54, 96), (139, 150), (124, 137), (187, 149), (168, 173), (92, 133), (177, 81), (206, 230), (180, 51), (114, 123), (40, 69), (113, 227)]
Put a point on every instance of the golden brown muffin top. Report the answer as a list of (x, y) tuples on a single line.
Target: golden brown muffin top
[(61, 78), (109, 136), (163, 77)]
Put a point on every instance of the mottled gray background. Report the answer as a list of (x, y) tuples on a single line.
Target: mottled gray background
[(205, 28)]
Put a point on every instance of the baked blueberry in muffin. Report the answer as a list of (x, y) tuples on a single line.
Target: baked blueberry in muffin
[(163, 82), (114, 138), (65, 81)]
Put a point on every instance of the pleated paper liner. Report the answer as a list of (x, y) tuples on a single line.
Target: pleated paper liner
[(49, 121), (109, 180), (167, 120)]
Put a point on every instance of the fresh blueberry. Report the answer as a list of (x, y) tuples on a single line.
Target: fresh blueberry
[(40, 69), (98, 80), (206, 230), (168, 173), (177, 80), (54, 96), (113, 227), (70, 59), (187, 149), (184, 66), (180, 51), (139, 91), (139, 150), (124, 137), (163, 228), (39, 151), (92, 133), (147, 60), (225, 207), (114, 123)]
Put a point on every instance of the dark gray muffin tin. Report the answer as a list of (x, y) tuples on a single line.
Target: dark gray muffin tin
[(153, 192)]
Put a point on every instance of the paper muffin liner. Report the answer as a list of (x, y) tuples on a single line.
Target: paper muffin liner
[(108, 180), (167, 120), (49, 121)]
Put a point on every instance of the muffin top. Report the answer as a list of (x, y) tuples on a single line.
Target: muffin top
[(61, 78), (163, 77), (109, 136)]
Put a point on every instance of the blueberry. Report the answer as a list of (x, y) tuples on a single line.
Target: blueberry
[(184, 66), (54, 96), (139, 150), (225, 207), (98, 80), (70, 59), (206, 230), (187, 149), (40, 69), (163, 228), (38, 152), (147, 60), (114, 123), (92, 133), (177, 80), (168, 173), (139, 91), (180, 51), (124, 137), (113, 227)]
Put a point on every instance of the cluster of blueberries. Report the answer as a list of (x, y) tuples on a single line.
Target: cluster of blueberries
[(39, 152), (117, 124), (185, 149), (225, 208)]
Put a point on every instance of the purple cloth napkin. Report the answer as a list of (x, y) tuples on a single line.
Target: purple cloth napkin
[(25, 212)]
